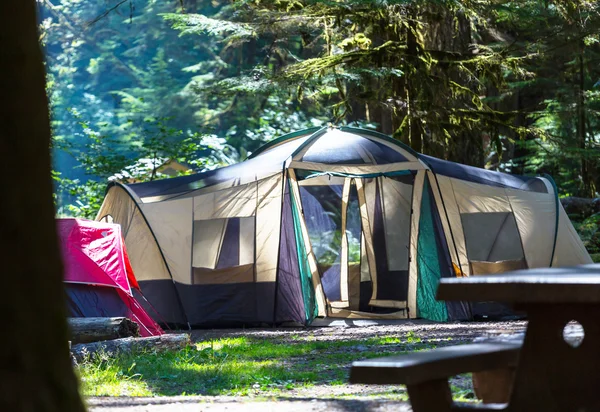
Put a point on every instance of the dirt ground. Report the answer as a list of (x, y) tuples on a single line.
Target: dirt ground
[(319, 397)]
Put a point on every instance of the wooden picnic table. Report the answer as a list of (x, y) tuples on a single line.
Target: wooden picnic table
[(551, 374)]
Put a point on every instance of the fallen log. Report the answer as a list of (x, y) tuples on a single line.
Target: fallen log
[(113, 347), (581, 207), (86, 330)]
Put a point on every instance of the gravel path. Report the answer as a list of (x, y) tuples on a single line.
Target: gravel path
[(319, 397), (365, 329)]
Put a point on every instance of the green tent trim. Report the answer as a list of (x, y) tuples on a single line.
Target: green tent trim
[(306, 283), (428, 263)]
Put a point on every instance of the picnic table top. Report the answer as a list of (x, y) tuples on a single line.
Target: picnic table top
[(577, 284)]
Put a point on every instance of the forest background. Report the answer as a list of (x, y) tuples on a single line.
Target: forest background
[(148, 89)]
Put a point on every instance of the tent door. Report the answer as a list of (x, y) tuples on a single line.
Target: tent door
[(359, 230), (386, 210)]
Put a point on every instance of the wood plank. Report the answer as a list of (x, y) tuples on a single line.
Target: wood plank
[(579, 284), (435, 364)]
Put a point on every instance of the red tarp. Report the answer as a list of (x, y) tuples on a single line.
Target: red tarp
[(94, 254)]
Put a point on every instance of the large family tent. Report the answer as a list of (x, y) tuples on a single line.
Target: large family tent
[(98, 277), (339, 222)]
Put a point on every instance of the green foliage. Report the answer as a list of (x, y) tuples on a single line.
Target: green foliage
[(381, 55), (106, 159), (199, 24), (557, 43), (123, 102), (589, 231)]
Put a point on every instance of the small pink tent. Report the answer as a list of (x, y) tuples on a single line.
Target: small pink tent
[(97, 273)]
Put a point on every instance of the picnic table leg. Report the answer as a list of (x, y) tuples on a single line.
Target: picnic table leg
[(430, 396), (552, 375)]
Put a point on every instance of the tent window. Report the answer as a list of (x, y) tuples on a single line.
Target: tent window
[(223, 243), (492, 237)]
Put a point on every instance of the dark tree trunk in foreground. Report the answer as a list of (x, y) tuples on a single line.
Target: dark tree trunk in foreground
[(35, 373)]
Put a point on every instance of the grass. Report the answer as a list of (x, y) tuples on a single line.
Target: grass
[(237, 366)]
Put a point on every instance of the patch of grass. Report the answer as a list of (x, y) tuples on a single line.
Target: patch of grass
[(237, 366), (411, 337)]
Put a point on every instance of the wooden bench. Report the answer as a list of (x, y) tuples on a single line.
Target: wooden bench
[(426, 373)]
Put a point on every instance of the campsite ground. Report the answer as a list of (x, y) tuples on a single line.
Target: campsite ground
[(273, 369)]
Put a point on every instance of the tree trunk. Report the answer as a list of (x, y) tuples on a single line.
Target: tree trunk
[(450, 31), (85, 330), (581, 123), (414, 127), (130, 345), (36, 373), (581, 207)]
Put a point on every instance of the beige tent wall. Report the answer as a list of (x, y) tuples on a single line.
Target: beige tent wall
[(119, 205), (535, 214), (146, 259), (144, 254), (477, 198), (261, 199), (490, 229), (207, 241), (569, 247), (211, 211), (322, 180), (171, 222), (442, 206), (268, 221), (247, 239), (453, 222), (239, 201)]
